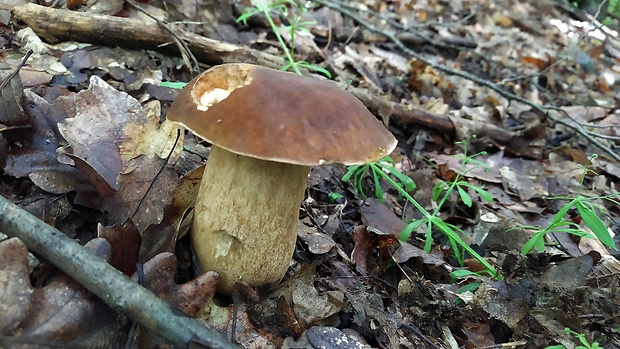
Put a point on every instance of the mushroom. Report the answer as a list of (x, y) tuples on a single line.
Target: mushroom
[(267, 128)]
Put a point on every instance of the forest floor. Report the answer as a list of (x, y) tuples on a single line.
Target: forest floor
[(496, 228)]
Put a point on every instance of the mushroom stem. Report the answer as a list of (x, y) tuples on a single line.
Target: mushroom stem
[(246, 216)]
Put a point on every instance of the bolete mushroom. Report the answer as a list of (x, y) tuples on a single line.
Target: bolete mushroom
[(267, 128)]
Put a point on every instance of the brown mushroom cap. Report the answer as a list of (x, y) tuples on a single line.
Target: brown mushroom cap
[(277, 116)]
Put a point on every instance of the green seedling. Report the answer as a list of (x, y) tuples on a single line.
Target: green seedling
[(585, 207), (333, 197), (463, 274), (381, 170), (582, 338), (174, 85), (357, 173), (459, 184), (461, 187), (280, 6), (537, 241), (441, 193), (265, 7)]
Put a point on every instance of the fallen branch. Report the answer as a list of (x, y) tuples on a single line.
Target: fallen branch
[(444, 125), (61, 25), (113, 287)]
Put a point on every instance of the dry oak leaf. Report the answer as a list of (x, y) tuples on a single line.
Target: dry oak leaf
[(61, 313), (11, 95), (125, 242), (121, 147), (162, 237), (143, 193), (159, 275), (385, 227), (32, 152), (110, 129)]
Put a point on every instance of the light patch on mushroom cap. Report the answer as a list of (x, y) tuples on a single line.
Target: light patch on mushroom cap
[(212, 97)]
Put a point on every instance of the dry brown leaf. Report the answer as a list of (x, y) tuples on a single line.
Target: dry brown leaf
[(373, 252), (163, 236), (247, 335), (110, 129), (33, 153), (524, 178), (143, 193), (159, 276), (11, 94), (289, 320), (195, 298), (478, 334), (380, 219), (366, 307), (556, 275), (311, 306), (120, 146), (606, 273), (491, 174), (125, 241), (318, 243), (60, 313)]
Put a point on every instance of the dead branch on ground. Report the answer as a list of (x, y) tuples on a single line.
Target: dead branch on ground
[(63, 25), (113, 287)]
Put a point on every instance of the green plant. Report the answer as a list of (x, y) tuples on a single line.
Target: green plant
[(613, 9), (464, 274), (585, 207), (357, 173), (333, 197), (382, 170), (265, 7), (582, 338), (172, 84)]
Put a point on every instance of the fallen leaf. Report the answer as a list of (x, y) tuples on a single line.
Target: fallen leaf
[(58, 314), (11, 95), (310, 306), (162, 237), (143, 193), (159, 276), (333, 338), (33, 152), (318, 243), (125, 241), (381, 219), (110, 138)]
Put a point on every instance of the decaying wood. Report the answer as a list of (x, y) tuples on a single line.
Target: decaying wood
[(61, 25), (411, 117), (55, 25), (106, 282)]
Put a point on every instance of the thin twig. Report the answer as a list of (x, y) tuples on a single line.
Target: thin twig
[(544, 110), (7, 79), (412, 328), (504, 345)]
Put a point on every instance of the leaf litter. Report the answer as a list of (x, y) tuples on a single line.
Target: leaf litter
[(88, 145)]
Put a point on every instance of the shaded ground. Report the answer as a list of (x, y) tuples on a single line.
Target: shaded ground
[(89, 153)]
